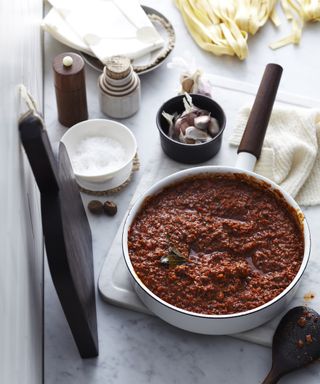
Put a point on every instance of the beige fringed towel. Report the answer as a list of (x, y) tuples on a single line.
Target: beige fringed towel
[(290, 155)]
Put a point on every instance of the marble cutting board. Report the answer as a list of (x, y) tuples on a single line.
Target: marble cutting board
[(114, 284)]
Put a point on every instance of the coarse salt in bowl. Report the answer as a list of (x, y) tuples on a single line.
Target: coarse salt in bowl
[(100, 150)]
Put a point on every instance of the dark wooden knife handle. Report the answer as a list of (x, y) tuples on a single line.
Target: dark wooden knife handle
[(259, 117)]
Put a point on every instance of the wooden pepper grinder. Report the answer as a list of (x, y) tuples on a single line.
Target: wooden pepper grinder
[(70, 86)]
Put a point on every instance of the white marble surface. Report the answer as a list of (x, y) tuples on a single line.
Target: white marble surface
[(137, 348)]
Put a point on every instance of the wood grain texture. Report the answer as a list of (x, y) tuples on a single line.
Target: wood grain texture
[(72, 268), (252, 139), (67, 234), (38, 150), (70, 88)]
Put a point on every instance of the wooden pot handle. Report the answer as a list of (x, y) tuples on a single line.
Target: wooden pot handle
[(259, 117)]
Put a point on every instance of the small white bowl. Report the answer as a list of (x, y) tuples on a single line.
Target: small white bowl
[(107, 128)]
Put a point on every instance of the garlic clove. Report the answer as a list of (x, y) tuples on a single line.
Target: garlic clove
[(190, 116), (168, 117), (170, 120), (213, 127), (182, 138), (193, 133), (182, 124), (187, 84), (202, 122), (190, 141)]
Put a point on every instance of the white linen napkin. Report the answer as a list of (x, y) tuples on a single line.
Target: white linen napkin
[(58, 28), (103, 28), (290, 154)]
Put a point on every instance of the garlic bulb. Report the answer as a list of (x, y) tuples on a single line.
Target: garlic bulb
[(193, 125)]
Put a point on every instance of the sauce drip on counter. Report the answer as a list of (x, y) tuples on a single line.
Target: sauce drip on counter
[(242, 244)]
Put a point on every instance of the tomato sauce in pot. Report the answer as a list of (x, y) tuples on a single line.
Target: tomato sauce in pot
[(216, 244)]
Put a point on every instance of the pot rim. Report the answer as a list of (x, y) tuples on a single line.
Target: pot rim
[(167, 181)]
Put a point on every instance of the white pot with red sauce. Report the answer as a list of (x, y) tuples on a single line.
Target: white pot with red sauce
[(226, 320)]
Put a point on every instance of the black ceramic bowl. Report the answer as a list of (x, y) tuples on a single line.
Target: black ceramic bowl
[(190, 153)]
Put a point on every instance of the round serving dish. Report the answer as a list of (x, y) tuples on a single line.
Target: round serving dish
[(106, 128), (190, 153), (213, 324)]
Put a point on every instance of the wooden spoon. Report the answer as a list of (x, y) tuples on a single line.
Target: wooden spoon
[(296, 342)]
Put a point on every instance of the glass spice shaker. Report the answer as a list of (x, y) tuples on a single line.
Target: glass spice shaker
[(70, 87), (119, 86)]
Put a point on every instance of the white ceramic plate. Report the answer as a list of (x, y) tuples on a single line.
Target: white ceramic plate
[(153, 59)]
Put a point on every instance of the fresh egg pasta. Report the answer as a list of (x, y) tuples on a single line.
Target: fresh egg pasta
[(222, 26)]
